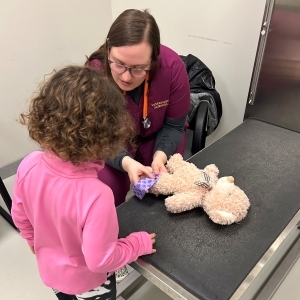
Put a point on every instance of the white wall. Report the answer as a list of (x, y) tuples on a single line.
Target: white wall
[(37, 36), (224, 34)]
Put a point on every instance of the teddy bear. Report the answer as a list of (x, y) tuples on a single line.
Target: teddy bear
[(188, 187)]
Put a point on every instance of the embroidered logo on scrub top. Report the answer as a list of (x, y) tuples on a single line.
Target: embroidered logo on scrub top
[(160, 104)]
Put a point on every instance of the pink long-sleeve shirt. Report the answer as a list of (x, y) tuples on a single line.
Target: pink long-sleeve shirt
[(69, 216)]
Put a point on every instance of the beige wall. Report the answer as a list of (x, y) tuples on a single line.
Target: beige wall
[(223, 34), (37, 36)]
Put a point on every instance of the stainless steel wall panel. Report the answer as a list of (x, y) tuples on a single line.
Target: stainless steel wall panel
[(277, 92)]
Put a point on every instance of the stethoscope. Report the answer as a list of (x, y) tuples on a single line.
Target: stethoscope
[(146, 121)]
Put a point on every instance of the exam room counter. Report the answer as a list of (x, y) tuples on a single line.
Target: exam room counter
[(209, 261)]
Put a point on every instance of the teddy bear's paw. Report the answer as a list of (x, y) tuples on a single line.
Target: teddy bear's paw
[(212, 169), (222, 217)]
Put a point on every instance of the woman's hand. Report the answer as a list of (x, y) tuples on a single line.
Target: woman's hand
[(158, 163), (135, 169)]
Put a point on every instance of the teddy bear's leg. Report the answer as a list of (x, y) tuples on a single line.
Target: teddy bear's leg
[(222, 217), (183, 202), (215, 209), (226, 207)]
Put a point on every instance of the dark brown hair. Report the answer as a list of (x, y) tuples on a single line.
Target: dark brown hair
[(79, 115), (130, 28)]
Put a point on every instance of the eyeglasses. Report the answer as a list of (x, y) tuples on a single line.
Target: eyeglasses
[(119, 68)]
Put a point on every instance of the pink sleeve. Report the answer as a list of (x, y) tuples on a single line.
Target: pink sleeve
[(19, 216), (180, 92), (102, 249)]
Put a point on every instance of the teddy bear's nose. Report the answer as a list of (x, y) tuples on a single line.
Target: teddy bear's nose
[(230, 179)]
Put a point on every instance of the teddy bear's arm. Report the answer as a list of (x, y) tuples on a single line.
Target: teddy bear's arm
[(183, 201), (212, 172)]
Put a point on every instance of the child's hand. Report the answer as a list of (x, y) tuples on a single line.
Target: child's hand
[(153, 235), (32, 249)]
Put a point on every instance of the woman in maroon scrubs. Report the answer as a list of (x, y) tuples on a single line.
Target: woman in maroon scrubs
[(154, 81)]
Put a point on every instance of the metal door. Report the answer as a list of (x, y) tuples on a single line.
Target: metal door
[(274, 94)]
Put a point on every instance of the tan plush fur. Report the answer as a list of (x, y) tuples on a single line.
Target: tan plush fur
[(223, 201)]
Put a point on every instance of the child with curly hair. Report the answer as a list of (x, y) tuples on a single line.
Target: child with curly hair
[(66, 214)]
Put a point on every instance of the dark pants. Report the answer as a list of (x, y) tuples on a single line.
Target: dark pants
[(107, 291)]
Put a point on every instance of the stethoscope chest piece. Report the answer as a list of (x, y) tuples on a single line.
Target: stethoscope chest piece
[(146, 123)]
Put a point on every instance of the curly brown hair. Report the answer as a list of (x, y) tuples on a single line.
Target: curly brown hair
[(79, 115)]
